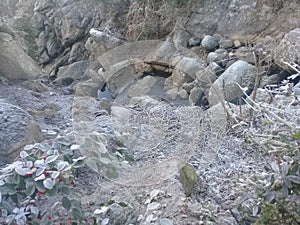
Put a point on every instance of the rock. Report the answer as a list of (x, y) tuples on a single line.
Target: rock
[(180, 38), (188, 178), (245, 54), (209, 42), (220, 57), (101, 42), (194, 41), (17, 129), (226, 88), (88, 88), (237, 43), (288, 50), (206, 77), (145, 101), (225, 43), (15, 64), (64, 24), (267, 80), (77, 52), (188, 86), (35, 85), (172, 93), (68, 74), (216, 68), (190, 66), (179, 77), (183, 94), (196, 95), (120, 77), (243, 19), (142, 87), (96, 77), (54, 48)]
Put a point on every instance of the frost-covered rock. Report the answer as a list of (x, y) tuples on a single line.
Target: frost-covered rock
[(227, 86), (17, 129), (288, 49)]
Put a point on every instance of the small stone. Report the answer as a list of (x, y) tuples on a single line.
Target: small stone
[(165, 221), (194, 41), (226, 43), (180, 77), (237, 43), (195, 96), (188, 87), (220, 57), (218, 70), (183, 94), (168, 81), (172, 93), (209, 43), (188, 178)]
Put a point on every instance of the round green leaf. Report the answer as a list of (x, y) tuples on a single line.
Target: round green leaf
[(51, 158), (92, 164), (39, 186), (40, 171), (23, 154), (65, 190), (52, 192), (41, 177), (66, 203), (48, 183), (76, 214), (30, 189), (55, 174)]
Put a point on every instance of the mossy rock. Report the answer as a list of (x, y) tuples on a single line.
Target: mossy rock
[(188, 178)]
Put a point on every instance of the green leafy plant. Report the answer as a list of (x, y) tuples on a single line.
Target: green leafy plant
[(40, 172), (278, 199)]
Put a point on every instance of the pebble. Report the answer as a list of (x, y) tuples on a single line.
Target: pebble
[(209, 42)]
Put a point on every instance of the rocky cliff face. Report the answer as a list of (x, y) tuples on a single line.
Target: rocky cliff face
[(54, 29), (243, 19)]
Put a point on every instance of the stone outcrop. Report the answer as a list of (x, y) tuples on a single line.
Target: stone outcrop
[(243, 18), (17, 129), (15, 64)]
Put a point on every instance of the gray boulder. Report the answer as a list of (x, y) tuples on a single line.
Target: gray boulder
[(220, 57), (226, 86), (100, 42), (15, 64), (194, 41), (68, 74), (288, 49), (17, 129), (142, 87), (209, 42)]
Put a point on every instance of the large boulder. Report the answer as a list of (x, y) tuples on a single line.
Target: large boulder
[(17, 129), (71, 73), (15, 64), (226, 87), (288, 49), (100, 42)]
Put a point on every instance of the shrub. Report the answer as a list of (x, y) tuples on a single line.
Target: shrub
[(41, 171)]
